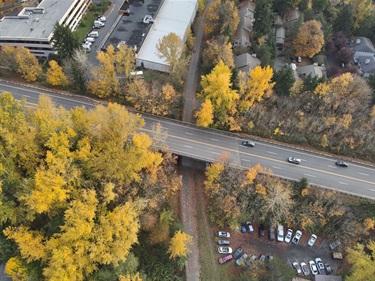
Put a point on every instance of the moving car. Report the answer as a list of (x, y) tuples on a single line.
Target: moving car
[(262, 230), (222, 234), (272, 234), (250, 227), (320, 266), (248, 143), (312, 240), (280, 233), (297, 267), (328, 269), (241, 259), (342, 164), (297, 237), (237, 253), (294, 160), (305, 268), (314, 269), (225, 259), (288, 235), (223, 242), (224, 250)]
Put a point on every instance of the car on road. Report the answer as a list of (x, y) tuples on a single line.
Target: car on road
[(224, 250), (271, 235), (342, 164), (305, 268), (243, 228), (225, 259), (294, 160), (262, 230), (223, 242), (222, 234), (280, 233), (314, 269), (312, 240), (241, 259), (297, 267), (328, 269), (248, 143), (320, 266), (250, 227), (297, 237), (288, 236), (237, 253)]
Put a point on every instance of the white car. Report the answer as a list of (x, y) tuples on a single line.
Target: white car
[(280, 233), (90, 39), (305, 268), (288, 235), (312, 240), (102, 19), (297, 237), (223, 234), (224, 250), (320, 266), (297, 267), (294, 160), (314, 269)]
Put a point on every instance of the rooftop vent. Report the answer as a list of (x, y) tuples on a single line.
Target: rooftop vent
[(358, 41), (367, 61)]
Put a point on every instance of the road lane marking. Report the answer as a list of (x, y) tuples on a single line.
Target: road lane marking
[(262, 157), (271, 152), (214, 152), (245, 160), (309, 175), (372, 189), (214, 139), (189, 134), (343, 183), (363, 174), (188, 146), (332, 167)]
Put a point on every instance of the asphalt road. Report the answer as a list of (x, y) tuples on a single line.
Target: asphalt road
[(203, 144)]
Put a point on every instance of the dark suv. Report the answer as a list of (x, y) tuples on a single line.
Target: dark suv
[(272, 234), (262, 230)]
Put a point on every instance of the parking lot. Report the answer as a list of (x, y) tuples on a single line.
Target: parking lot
[(253, 245), (129, 28)]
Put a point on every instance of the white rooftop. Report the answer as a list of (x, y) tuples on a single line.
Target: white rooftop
[(31, 22), (174, 16)]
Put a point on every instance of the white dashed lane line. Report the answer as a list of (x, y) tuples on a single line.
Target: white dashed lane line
[(190, 134), (271, 152), (363, 174), (310, 175), (245, 160), (278, 168), (187, 146), (214, 139), (344, 183)]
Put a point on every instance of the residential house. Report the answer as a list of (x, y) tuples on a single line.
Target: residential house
[(246, 13), (245, 62), (314, 70), (366, 65), (280, 38), (291, 16), (364, 55)]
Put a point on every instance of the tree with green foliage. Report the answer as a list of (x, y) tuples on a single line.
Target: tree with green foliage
[(282, 6), (64, 41), (344, 21), (263, 17), (284, 79)]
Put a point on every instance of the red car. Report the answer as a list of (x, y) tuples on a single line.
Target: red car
[(225, 259)]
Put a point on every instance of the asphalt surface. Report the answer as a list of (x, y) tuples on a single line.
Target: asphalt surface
[(204, 144)]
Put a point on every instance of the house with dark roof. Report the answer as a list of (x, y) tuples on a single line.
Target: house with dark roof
[(246, 13), (245, 62), (313, 70), (364, 55)]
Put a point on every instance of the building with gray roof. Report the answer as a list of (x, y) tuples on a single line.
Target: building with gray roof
[(33, 27)]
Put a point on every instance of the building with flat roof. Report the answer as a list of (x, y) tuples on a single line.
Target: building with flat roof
[(33, 27), (174, 16)]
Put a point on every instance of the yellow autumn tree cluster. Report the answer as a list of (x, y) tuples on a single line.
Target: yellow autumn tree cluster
[(55, 74), (82, 179), (179, 245), (309, 40), (362, 260)]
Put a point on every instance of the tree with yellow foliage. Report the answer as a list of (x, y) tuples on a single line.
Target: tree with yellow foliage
[(7, 57), (130, 277), (125, 59), (258, 84), (55, 74), (179, 245), (205, 116), (362, 261), (27, 64), (16, 269), (309, 40)]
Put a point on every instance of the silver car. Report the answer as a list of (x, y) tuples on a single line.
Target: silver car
[(288, 235), (297, 237)]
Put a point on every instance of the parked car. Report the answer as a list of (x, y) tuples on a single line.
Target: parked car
[(299, 59), (237, 253), (102, 18), (262, 230), (222, 234), (328, 269), (280, 233), (271, 234), (297, 267), (262, 258), (288, 235), (314, 269), (223, 242), (224, 250), (342, 164), (93, 34), (90, 39), (320, 266), (250, 261), (243, 228), (248, 143), (334, 245), (225, 259), (337, 256), (241, 259), (297, 237), (312, 240), (305, 268), (294, 160), (250, 227)]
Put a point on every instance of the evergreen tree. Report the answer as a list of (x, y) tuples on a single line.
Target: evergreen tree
[(263, 17), (65, 41), (284, 79)]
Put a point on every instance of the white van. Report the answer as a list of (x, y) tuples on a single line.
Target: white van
[(86, 47), (98, 24), (93, 34), (90, 39)]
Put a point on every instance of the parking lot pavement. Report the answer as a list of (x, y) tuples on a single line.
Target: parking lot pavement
[(129, 28)]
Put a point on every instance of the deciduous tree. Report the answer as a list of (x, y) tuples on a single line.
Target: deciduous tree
[(77, 70), (205, 116), (218, 49), (171, 48), (362, 261), (8, 58), (310, 39), (27, 64), (179, 245), (125, 60), (361, 9), (55, 74)]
